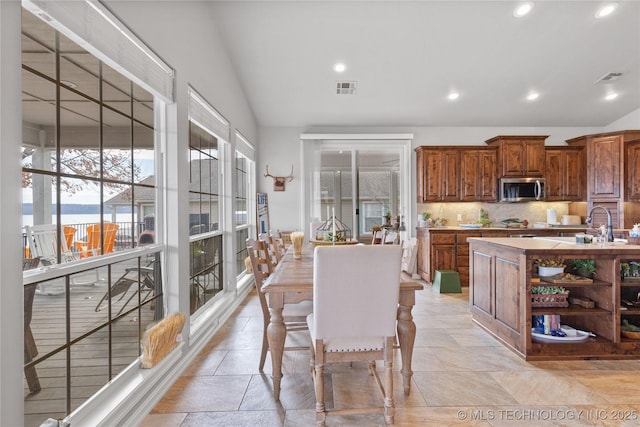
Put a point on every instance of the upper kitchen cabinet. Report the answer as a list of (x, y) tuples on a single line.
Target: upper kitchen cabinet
[(520, 155), (565, 177), (612, 159), (438, 174), (478, 175), (632, 160)]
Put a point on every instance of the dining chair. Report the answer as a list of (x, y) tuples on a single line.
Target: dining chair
[(355, 300), (276, 246), (294, 315), (376, 235)]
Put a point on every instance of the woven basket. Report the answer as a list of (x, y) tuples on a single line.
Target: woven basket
[(549, 300), (633, 240)]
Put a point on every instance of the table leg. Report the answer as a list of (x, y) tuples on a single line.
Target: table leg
[(407, 337), (276, 334)]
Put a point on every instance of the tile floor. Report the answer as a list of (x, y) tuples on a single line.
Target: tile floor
[(462, 376)]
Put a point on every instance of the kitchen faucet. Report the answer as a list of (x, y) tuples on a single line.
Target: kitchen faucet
[(609, 223)]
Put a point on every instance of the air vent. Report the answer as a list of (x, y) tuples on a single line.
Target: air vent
[(609, 77), (346, 88)]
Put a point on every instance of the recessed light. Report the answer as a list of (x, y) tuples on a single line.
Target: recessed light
[(453, 96), (533, 96), (339, 67), (523, 9), (611, 96), (606, 10)]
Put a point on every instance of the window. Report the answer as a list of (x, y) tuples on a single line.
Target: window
[(206, 266), (242, 209), (88, 177)]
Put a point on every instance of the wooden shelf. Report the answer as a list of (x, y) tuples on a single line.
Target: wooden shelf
[(570, 284), (572, 310), (629, 311)]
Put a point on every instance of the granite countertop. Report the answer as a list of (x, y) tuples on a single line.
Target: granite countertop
[(581, 227), (563, 244)]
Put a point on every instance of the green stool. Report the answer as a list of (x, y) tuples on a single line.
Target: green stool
[(447, 282)]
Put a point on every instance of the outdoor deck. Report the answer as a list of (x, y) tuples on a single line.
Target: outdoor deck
[(88, 358)]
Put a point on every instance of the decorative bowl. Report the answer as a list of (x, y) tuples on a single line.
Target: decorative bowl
[(549, 271)]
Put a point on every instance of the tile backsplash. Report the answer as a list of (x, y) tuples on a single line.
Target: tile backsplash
[(531, 211)]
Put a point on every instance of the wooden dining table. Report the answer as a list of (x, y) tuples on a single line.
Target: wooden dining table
[(292, 282)]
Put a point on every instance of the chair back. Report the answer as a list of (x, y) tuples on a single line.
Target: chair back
[(276, 246), (261, 264), (93, 239), (43, 243), (391, 237), (377, 235), (410, 256), (355, 290)]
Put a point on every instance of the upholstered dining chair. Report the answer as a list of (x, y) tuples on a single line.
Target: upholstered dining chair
[(355, 300), (294, 315)]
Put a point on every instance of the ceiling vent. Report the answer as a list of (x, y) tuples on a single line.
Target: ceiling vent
[(609, 78), (346, 88)]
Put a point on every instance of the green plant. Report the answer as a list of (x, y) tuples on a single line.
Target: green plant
[(548, 290), (426, 215), (584, 265)]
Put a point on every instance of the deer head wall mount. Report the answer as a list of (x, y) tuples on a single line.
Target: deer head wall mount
[(278, 181)]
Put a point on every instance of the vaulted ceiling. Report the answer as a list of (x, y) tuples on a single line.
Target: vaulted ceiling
[(406, 57)]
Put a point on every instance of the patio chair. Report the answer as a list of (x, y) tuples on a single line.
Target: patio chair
[(141, 277), (355, 300), (44, 244), (92, 246)]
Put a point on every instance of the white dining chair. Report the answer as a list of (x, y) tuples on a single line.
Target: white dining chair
[(355, 300), (294, 315)]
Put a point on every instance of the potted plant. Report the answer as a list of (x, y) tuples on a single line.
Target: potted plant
[(584, 267), (426, 220)]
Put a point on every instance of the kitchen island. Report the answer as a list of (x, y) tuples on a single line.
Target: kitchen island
[(502, 271)]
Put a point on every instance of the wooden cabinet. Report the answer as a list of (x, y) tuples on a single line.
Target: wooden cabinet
[(632, 162), (500, 299), (453, 174), (438, 179), (610, 174), (520, 156), (565, 177), (478, 175)]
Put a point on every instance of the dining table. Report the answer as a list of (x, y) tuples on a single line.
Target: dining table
[(292, 282)]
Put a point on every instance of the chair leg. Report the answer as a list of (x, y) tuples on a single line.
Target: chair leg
[(265, 348), (321, 414)]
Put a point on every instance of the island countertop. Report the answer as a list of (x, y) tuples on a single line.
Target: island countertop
[(567, 245)]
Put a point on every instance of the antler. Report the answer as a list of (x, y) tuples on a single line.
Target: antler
[(290, 177), (267, 174)]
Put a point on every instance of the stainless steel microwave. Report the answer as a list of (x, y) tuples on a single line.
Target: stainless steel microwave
[(521, 189)]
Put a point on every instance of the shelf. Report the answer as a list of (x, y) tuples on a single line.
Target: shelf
[(629, 310), (572, 310), (569, 284), (630, 283)]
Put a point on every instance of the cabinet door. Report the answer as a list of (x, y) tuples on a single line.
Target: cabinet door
[(433, 175), (450, 175), (421, 176), (512, 158), (533, 158), (443, 257), (604, 161), (478, 173), (554, 184), (488, 183), (469, 174), (574, 175), (632, 163)]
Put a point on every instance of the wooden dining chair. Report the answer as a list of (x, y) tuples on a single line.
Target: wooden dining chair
[(376, 235), (355, 300), (294, 315), (276, 247)]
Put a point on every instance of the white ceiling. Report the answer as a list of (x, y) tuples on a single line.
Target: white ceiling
[(407, 56)]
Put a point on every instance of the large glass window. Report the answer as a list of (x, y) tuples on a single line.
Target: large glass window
[(242, 208), (88, 190), (206, 238)]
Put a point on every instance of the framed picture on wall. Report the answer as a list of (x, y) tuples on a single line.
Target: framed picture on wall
[(262, 212)]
